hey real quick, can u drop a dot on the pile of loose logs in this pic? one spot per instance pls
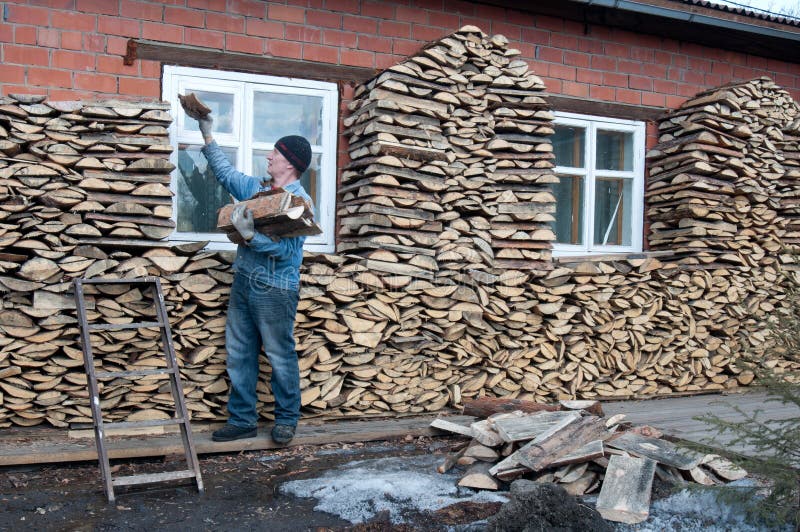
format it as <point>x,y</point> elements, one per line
<point>444,288</point>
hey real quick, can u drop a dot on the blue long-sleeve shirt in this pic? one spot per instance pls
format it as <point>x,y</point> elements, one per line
<point>262,259</point>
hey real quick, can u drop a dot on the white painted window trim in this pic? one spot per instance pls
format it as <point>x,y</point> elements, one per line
<point>177,79</point>
<point>591,124</point>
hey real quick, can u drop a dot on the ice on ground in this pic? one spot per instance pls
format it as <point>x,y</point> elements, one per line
<point>696,510</point>
<point>358,490</point>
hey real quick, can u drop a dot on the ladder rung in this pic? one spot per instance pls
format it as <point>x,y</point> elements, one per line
<point>152,477</point>
<point>148,279</point>
<point>133,373</point>
<point>109,326</point>
<point>143,423</point>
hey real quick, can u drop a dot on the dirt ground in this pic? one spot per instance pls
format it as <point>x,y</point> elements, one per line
<point>241,493</point>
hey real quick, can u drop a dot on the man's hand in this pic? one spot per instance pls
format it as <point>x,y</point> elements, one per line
<point>242,220</point>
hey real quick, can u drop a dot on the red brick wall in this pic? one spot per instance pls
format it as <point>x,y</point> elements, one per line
<point>71,48</point>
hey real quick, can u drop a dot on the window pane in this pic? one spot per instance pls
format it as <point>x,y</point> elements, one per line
<point>612,211</point>
<point>569,209</point>
<point>277,115</point>
<point>199,195</point>
<point>614,150</point>
<point>568,146</point>
<point>221,111</point>
<point>309,179</point>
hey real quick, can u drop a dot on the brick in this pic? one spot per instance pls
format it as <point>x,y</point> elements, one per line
<point>575,89</point>
<point>96,82</point>
<point>359,24</point>
<point>629,96</point>
<point>428,33</point>
<point>640,83</point>
<point>383,61</point>
<point>675,74</point>
<point>629,67</point>
<point>6,33</point>
<point>604,63</point>
<point>12,73</point>
<point>93,42</point>
<point>686,89</point>
<point>639,53</point>
<point>411,14</point>
<point>72,40</point>
<point>162,32</point>
<point>149,69</point>
<point>740,72</point>
<point>552,85</point>
<point>598,92</point>
<point>394,29</point>
<point>700,64</point>
<point>285,49</point>
<point>592,77</point>
<point>662,58</point>
<point>113,64</point>
<point>469,21</point>
<point>381,10</point>
<point>715,80</point>
<point>207,38</point>
<point>665,87</point>
<point>75,22</point>
<point>534,36</point>
<point>101,7</point>
<point>621,51</point>
<point>119,26</point>
<point>224,22</point>
<point>140,87</point>
<point>260,28</point>
<point>654,71</point>
<point>286,13</point>
<point>184,17</point>
<point>577,59</point>
<point>673,102</point>
<point>346,6</point>
<point>357,58</point>
<point>527,51</point>
<point>321,54</point>
<point>323,19</point>
<point>545,53</point>
<point>406,47</point>
<point>25,55</point>
<point>512,31</point>
<point>444,20</point>
<point>21,89</point>
<point>48,38</point>
<point>694,77</point>
<point>245,44</point>
<point>26,15</point>
<point>141,10</point>
<point>72,60</point>
<point>342,39</point>
<point>680,61</point>
<point>208,5</point>
<point>559,40</point>
<point>550,23</point>
<point>374,44</point>
<point>249,8</point>
<point>25,35</point>
<point>116,45</point>
<point>561,72</point>
<point>49,77</point>
<point>303,33</point>
<point>615,80</point>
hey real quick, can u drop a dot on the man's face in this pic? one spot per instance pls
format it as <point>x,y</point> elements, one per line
<point>277,163</point>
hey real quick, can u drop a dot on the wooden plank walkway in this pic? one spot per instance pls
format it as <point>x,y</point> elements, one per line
<point>674,416</point>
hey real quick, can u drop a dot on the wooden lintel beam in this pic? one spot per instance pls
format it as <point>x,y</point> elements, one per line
<point>197,56</point>
<point>586,106</point>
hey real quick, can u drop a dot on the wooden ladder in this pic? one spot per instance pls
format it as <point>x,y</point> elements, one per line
<point>180,417</point>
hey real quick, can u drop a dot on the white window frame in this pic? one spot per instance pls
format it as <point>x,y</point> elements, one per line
<point>177,80</point>
<point>591,124</point>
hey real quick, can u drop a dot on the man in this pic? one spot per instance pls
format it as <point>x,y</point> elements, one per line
<point>263,300</point>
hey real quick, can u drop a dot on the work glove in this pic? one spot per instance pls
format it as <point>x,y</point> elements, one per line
<point>242,220</point>
<point>205,125</point>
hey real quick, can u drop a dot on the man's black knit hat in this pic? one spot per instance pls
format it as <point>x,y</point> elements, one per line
<point>297,151</point>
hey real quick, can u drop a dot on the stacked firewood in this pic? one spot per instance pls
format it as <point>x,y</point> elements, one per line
<point>571,443</point>
<point>451,155</point>
<point>713,176</point>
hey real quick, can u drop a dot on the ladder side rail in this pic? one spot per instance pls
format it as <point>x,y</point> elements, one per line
<point>94,395</point>
<point>175,383</point>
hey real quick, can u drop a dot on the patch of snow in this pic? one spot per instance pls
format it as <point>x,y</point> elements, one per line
<point>695,511</point>
<point>358,490</point>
